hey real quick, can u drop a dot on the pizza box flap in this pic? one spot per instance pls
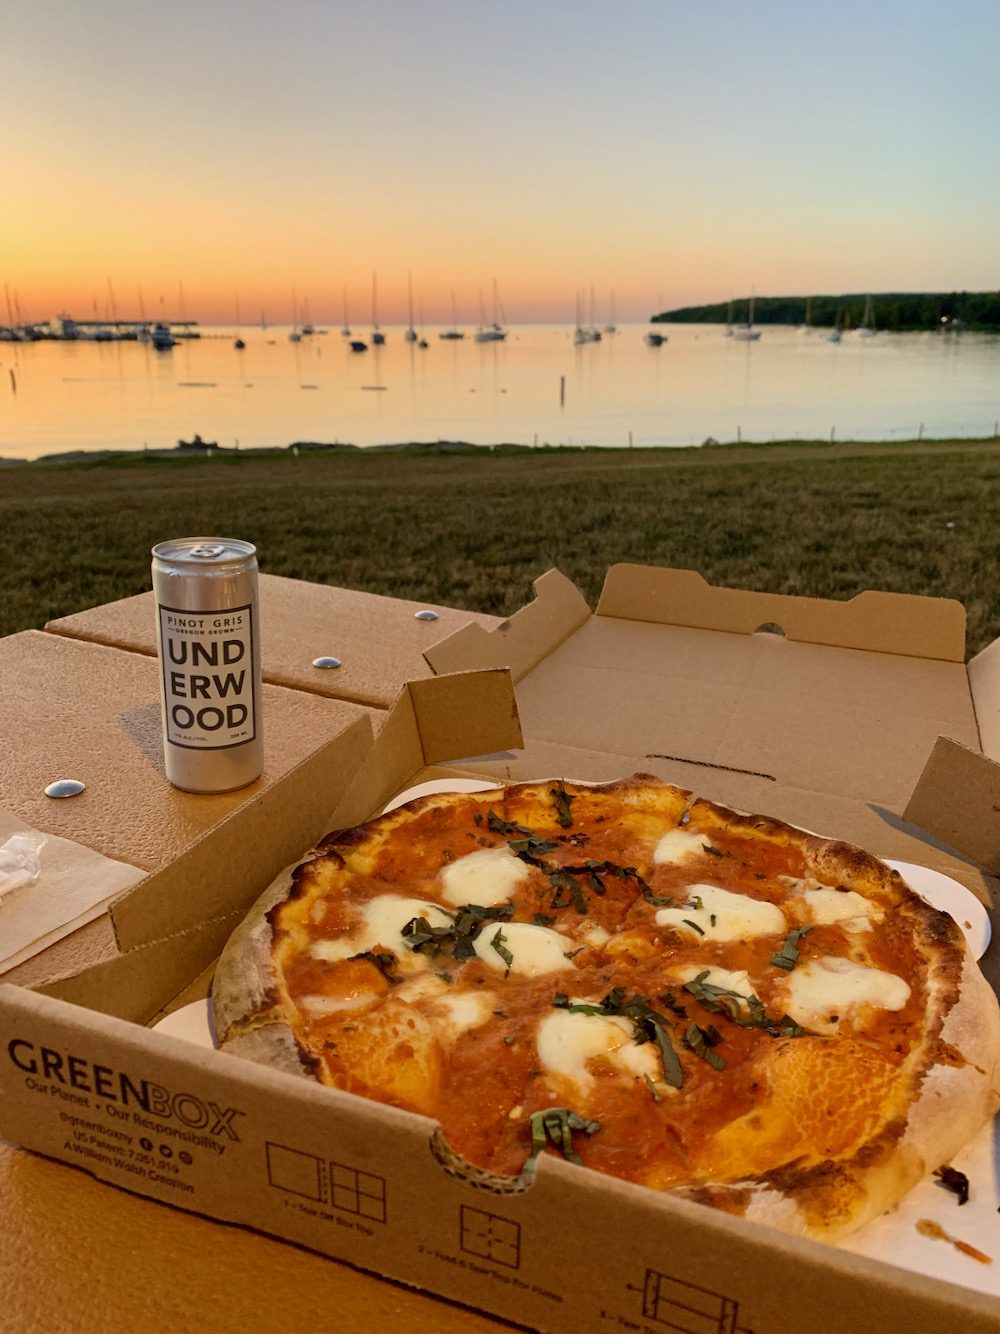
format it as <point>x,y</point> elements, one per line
<point>877,622</point>
<point>521,642</point>
<point>364,1182</point>
<point>149,979</point>
<point>448,717</point>
<point>845,700</point>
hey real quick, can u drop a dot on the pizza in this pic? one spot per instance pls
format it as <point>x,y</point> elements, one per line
<point>697,1000</point>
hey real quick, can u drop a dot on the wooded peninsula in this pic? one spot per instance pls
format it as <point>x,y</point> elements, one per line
<point>896,312</point>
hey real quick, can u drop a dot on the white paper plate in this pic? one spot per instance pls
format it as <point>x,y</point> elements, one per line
<point>436,785</point>
<point>191,1022</point>
<point>894,1238</point>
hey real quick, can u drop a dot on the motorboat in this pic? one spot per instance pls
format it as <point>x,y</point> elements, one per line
<point>161,338</point>
<point>655,339</point>
<point>356,345</point>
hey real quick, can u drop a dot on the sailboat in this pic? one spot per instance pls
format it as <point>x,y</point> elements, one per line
<point>238,342</point>
<point>345,328</point>
<point>728,331</point>
<point>806,325</point>
<point>835,335</point>
<point>866,329</point>
<point>378,338</point>
<point>294,336</point>
<point>411,333</point>
<point>746,333</point>
<point>454,332</point>
<point>495,332</point>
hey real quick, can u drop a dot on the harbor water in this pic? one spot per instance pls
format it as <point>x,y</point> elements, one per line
<point>536,387</point>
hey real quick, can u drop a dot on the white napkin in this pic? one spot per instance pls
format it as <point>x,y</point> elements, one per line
<point>74,887</point>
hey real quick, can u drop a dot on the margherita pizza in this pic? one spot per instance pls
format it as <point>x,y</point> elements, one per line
<point>697,1000</point>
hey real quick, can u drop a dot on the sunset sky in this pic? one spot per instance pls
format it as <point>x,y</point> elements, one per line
<point>660,149</point>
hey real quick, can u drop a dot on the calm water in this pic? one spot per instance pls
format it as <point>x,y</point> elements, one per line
<point>56,397</point>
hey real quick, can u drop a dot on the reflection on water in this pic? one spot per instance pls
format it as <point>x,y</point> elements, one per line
<point>56,397</point>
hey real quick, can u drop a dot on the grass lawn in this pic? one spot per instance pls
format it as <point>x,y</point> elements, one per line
<point>473,529</point>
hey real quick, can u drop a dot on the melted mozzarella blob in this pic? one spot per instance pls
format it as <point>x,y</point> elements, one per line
<point>567,1041</point>
<point>724,915</point>
<point>535,949</point>
<point>829,986</point>
<point>455,1015</point>
<point>383,922</point>
<point>677,845</point>
<point>825,906</point>
<point>486,877</point>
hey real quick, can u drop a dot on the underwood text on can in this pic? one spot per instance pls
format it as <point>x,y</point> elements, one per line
<point>208,677</point>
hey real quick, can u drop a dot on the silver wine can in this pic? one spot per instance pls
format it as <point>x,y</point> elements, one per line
<point>208,640</point>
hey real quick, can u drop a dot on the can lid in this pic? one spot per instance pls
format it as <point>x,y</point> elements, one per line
<point>197,552</point>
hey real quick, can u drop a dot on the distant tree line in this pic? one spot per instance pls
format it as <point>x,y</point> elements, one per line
<point>896,312</point>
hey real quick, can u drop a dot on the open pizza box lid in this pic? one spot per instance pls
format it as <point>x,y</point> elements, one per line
<point>358,1180</point>
<point>858,719</point>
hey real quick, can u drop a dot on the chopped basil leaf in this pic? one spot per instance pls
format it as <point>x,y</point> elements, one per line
<point>510,1039</point>
<point>457,938</point>
<point>499,826</point>
<point>531,846</point>
<point>556,1126</point>
<point>701,1041</point>
<point>713,851</point>
<point>720,1000</point>
<point>563,802</point>
<point>385,961</point>
<point>498,944</point>
<point>695,902</point>
<point>788,956</point>
<point>541,919</point>
<point>693,925</point>
<point>670,1001</point>
<point>711,919</point>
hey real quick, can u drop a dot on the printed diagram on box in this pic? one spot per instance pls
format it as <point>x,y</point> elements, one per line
<point>490,1237</point>
<point>337,1185</point>
<point>689,1309</point>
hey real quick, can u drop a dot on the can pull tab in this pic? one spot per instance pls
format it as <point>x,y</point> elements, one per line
<point>207,551</point>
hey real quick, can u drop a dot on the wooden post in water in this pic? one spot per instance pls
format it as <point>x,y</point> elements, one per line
<point>562,391</point>
<point>13,383</point>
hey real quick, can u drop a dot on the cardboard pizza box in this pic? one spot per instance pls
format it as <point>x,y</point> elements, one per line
<point>379,641</point>
<point>83,1081</point>
<point>73,709</point>
<point>858,720</point>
